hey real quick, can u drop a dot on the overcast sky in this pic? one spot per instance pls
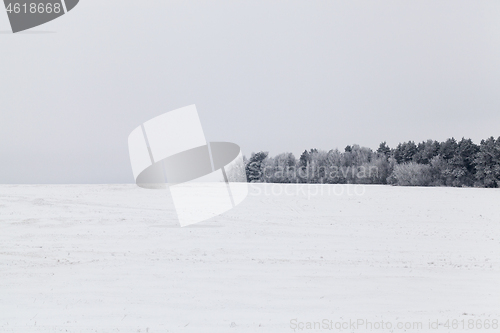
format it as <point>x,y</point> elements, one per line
<point>268,75</point>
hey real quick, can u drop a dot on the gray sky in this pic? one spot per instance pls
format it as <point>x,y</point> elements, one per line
<point>267,75</point>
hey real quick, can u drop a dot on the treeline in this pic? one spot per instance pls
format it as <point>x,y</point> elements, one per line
<point>429,163</point>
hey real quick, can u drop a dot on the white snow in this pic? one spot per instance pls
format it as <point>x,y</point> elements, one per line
<point>112,258</point>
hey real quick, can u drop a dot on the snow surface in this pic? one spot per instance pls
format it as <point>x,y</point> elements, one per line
<point>112,258</point>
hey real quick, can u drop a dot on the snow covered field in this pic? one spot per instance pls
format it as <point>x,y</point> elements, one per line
<point>111,258</point>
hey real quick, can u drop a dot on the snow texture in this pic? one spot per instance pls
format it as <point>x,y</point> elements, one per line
<point>112,258</point>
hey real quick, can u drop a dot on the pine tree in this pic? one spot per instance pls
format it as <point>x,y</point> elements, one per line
<point>254,167</point>
<point>426,151</point>
<point>304,159</point>
<point>463,163</point>
<point>383,148</point>
<point>448,149</point>
<point>487,163</point>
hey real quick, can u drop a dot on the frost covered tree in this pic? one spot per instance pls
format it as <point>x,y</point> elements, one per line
<point>383,148</point>
<point>487,163</point>
<point>254,167</point>
<point>426,151</point>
